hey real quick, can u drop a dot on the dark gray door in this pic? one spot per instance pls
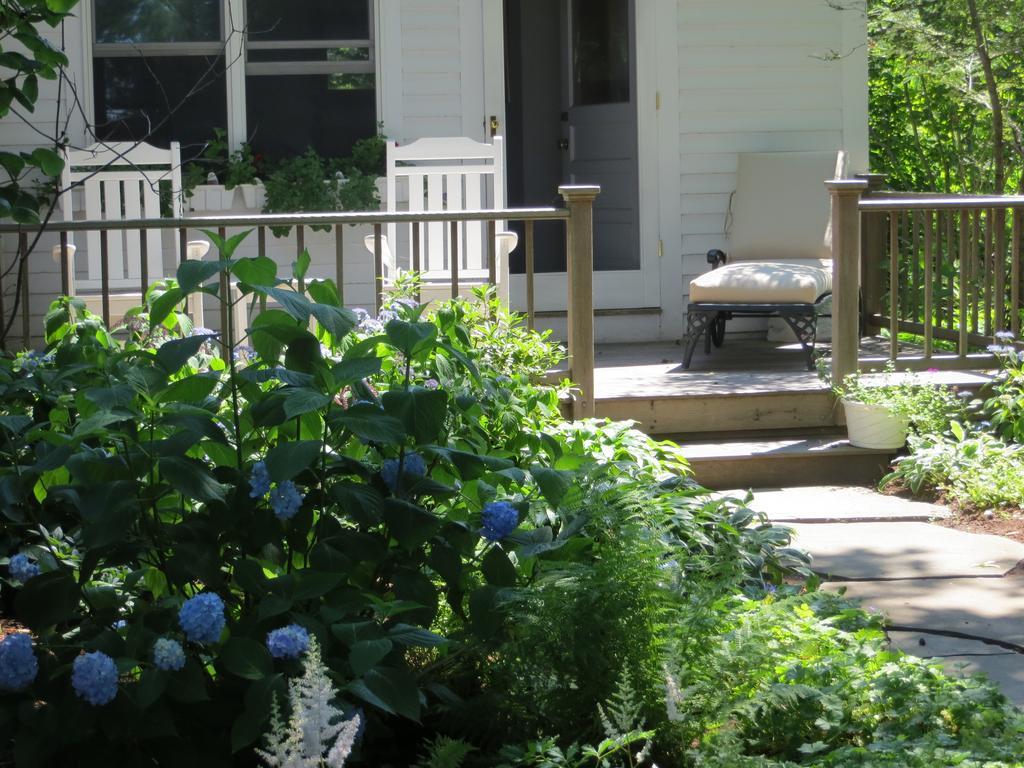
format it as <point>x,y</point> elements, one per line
<point>599,124</point>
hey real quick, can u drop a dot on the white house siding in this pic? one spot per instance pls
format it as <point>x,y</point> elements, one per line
<point>431,66</point>
<point>757,76</point>
<point>36,129</point>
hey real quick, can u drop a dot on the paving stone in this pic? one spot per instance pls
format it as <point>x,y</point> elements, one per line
<point>985,607</point>
<point>835,503</point>
<point>963,657</point>
<point>900,550</point>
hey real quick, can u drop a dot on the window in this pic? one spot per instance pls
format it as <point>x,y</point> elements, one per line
<point>159,72</point>
<point>600,52</point>
<point>309,76</point>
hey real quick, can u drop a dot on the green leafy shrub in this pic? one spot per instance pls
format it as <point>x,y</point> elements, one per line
<point>1005,407</point>
<point>506,345</point>
<point>971,467</point>
<point>807,680</point>
<point>314,482</point>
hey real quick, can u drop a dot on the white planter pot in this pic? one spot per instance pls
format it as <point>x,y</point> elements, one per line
<point>254,196</point>
<point>870,425</point>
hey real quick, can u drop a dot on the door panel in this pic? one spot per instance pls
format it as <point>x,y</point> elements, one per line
<point>601,110</point>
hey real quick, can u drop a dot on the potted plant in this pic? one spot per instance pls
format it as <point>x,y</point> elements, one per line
<point>315,184</point>
<point>201,177</point>
<point>882,410</point>
<point>241,172</point>
<point>237,170</point>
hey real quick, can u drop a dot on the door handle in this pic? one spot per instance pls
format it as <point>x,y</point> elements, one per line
<point>563,144</point>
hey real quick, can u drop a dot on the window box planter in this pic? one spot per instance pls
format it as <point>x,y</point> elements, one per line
<point>212,197</point>
<point>254,196</point>
<point>873,425</point>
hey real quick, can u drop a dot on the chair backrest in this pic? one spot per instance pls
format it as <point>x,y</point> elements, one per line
<point>449,174</point>
<point>781,209</point>
<point>117,181</point>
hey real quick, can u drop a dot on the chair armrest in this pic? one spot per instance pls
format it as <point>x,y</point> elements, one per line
<point>390,267</point>
<point>507,241</point>
<point>716,258</point>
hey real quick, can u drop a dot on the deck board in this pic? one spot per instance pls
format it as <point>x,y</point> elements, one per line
<point>740,367</point>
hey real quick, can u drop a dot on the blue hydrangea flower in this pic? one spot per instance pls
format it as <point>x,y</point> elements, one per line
<point>259,480</point>
<point>18,665</point>
<point>1001,349</point>
<point>413,466</point>
<point>202,618</point>
<point>1004,335</point>
<point>168,655</point>
<point>285,500</point>
<point>499,520</point>
<point>94,678</point>
<point>21,568</point>
<point>33,359</point>
<point>431,384</point>
<point>288,642</point>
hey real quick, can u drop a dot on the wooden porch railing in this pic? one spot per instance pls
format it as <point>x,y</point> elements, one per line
<point>942,271</point>
<point>577,215</point>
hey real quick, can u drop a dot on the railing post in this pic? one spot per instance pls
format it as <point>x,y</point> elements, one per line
<point>579,237</point>
<point>846,194</point>
<point>872,246</point>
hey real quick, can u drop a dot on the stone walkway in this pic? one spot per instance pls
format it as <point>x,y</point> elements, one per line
<point>947,594</point>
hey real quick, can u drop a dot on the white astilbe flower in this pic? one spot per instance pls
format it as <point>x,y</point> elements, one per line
<point>315,724</point>
<point>344,743</point>
<point>284,745</point>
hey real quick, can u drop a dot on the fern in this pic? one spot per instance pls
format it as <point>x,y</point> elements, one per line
<point>445,752</point>
<point>623,712</point>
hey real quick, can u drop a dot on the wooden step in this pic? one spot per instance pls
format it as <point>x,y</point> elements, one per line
<point>792,461</point>
<point>725,411</point>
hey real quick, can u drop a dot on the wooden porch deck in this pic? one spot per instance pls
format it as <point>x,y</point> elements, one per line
<point>748,385</point>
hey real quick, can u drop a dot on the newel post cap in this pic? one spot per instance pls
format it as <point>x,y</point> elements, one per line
<point>846,186</point>
<point>579,192</point>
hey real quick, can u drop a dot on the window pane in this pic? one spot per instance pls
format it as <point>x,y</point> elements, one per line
<point>600,51</point>
<point>308,20</point>
<point>167,98</point>
<point>157,21</point>
<point>289,113</point>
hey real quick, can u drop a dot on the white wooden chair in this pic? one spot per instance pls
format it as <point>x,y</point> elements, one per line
<point>446,174</point>
<point>116,181</point>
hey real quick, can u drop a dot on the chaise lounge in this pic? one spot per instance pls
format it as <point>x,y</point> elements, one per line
<point>778,235</point>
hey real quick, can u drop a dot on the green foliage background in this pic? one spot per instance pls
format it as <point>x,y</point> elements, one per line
<point>937,123</point>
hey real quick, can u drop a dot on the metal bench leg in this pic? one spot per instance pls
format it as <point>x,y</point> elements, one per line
<point>696,325</point>
<point>806,329</point>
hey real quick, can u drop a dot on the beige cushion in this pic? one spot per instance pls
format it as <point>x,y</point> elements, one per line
<point>796,281</point>
<point>781,208</point>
